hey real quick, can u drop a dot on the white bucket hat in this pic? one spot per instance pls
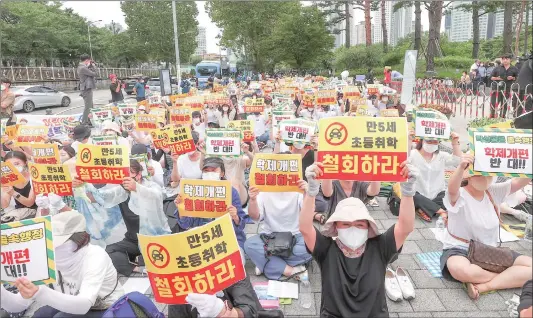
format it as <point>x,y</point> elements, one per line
<point>65,224</point>
<point>350,210</point>
<point>110,125</point>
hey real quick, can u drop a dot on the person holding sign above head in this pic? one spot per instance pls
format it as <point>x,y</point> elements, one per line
<point>353,264</point>
<point>474,220</point>
<point>187,166</point>
<point>198,123</point>
<point>25,207</point>
<point>87,282</point>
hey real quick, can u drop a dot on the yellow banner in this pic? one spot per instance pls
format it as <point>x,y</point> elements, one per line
<point>173,98</point>
<point>45,153</point>
<point>51,179</point>
<point>161,114</point>
<point>102,164</point>
<point>204,198</point>
<point>10,175</point>
<point>159,137</point>
<point>246,126</point>
<point>181,115</point>
<point>11,131</point>
<point>194,102</point>
<point>145,122</point>
<point>179,140</point>
<point>276,172</point>
<point>326,97</point>
<point>389,113</point>
<point>28,135</point>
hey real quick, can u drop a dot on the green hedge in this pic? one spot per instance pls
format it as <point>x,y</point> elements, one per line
<point>458,62</point>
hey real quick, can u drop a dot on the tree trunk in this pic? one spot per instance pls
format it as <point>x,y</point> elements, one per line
<point>384,27</point>
<point>418,26</point>
<point>519,27</point>
<point>526,35</point>
<point>348,26</point>
<point>368,24</point>
<point>507,27</point>
<point>435,18</point>
<point>475,29</point>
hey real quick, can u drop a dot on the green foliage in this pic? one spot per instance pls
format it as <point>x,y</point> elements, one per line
<point>358,57</point>
<point>456,62</point>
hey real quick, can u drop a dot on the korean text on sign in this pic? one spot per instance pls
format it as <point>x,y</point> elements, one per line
<point>27,135</point>
<point>106,140</point>
<point>99,115</point>
<point>432,125</point>
<point>102,164</point>
<point>50,179</point>
<point>127,110</point>
<point>297,130</point>
<point>502,152</point>
<point>363,148</point>
<point>27,251</point>
<point>159,137</point>
<point>179,140</point>
<point>246,126</point>
<point>276,173</point>
<point>145,122</point>
<point>223,142</point>
<point>10,175</point>
<point>326,97</point>
<point>45,153</point>
<point>252,105</point>
<point>204,198</point>
<point>203,260</point>
<point>180,115</point>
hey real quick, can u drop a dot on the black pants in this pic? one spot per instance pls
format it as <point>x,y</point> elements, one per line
<point>139,99</point>
<point>430,207</point>
<point>122,254</point>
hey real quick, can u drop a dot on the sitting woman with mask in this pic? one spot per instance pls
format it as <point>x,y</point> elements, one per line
<point>473,215</point>
<point>87,283</point>
<point>431,185</point>
<point>25,207</point>
<point>352,266</point>
<point>110,128</point>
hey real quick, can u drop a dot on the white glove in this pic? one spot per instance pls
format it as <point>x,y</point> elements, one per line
<point>207,305</point>
<point>56,203</point>
<point>42,201</point>
<point>313,183</point>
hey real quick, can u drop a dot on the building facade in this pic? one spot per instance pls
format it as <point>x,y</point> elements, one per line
<point>201,42</point>
<point>399,24</point>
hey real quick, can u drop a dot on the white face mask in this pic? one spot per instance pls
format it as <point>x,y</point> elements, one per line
<point>298,145</point>
<point>353,237</point>
<point>196,120</point>
<point>65,257</point>
<point>430,148</point>
<point>20,168</point>
<point>210,176</point>
<point>2,87</point>
<point>225,109</point>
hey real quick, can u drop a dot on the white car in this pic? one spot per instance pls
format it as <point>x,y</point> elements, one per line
<point>30,97</point>
<point>154,85</point>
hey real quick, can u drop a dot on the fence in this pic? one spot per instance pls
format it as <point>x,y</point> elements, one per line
<point>475,101</point>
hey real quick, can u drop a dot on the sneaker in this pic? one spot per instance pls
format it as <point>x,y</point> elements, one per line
<point>392,288</point>
<point>258,272</point>
<point>408,291</point>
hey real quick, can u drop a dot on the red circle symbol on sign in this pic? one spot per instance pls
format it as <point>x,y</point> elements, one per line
<point>158,255</point>
<point>336,134</point>
<point>86,155</point>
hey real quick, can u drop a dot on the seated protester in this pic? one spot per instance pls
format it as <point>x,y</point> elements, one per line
<point>473,215</point>
<point>352,266</point>
<point>155,171</point>
<point>187,166</point>
<point>112,129</point>
<point>308,113</point>
<point>238,300</point>
<point>226,115</point>
<point>81,135</point>
<point>87,283</point>
<point>212,113</point>
<point>25,207</point>
<point>198,123</point>
<point>261,132</point>
<point>325,112</point>
<point>431,185</point>
<point>526,300</point>
<point>279,212</point>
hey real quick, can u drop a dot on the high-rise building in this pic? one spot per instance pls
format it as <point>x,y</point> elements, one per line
<point>360,33</point>
<point>399,23</point>
<point>340,28</point>
<point>201,42</point>
<point>377,36</point>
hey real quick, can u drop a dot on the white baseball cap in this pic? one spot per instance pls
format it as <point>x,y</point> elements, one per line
<point>64,224</point>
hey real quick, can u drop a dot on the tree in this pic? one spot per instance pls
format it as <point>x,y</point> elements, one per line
<point>507,26</point>
<point>384,27</point>
<point>479,9</point>
<point>435,10</point>
<point>336,13</point>
<point>150,23</point>
<point>418,20</point>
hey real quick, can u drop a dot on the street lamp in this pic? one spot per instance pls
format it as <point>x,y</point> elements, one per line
<point>89,32</point>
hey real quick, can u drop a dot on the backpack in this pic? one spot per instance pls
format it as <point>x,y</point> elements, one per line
<point>131,305</point>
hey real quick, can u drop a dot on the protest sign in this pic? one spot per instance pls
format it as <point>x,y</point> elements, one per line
<point>223,142</point>
<point>145,122</point>
<point>11,131</point>
<point>50,179</point>
<point>203,260</point>
<point>28,251</point>
<point>102,164</point>
<point>204,198</point>
<point>308,100</point>
<point>10,175</point>
<point>365,111</point>
<point>254,105</point>
<point>161,114</point>
<point>154,99</point>
<point>45,153</point>
<point>501,152</point>
<point>372,149</point>
<point>431,125</point>
<point>181,115</point>
<point>129,124</point>
<point>289,91</point>
<point>297,130</point>
<point>326,97</point>
<point>389,113</point>
<point>104,140</point>
<point>68,126</point>
<point>372,89</point>
<point>55,123</point>
<point>179,140</point>
<point>350,92</point>
<point>278,116</point>
<point>159,137</point>
<point>3,125</point>
<point>127,110</point>
<point>276,172</point>
<point>99,115</point>
<point>246,126</point>
<point>28,135</point>
<point>173,98</point>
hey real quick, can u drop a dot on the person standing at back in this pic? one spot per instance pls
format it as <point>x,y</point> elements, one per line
<point>87,75</point>
<point>138,90</point>
<point>7,100</point>
<point>116,89</point>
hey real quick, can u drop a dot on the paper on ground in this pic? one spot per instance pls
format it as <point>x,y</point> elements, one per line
<point>138,284</point>
<point>440,235</point>
<point>282,289</point>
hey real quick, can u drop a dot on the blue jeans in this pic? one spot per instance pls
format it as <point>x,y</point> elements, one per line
<point>254,248</point>
<point>49,312</point>
<point>264,137</point>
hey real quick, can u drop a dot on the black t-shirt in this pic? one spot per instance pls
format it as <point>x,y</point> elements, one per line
<point>25,192</point>
<point>525,76</point>
<point>503,73</point>
<point>131,220</point>
<point>526,299</point>
<point>115,96</point>
<point>354,287</point>
<point>307,160</point>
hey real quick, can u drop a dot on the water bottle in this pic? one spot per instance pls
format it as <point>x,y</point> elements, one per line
<point>528,232</point>
<point>440,223</point>
<point>305,292</point>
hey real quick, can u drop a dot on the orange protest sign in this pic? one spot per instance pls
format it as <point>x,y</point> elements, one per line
<point>308,100</point>
<point>254,105</point>
<point>173,98</point>
<point>204,198</point>
<point>350,91</point>
<point>203,260</point>
<point>326,97</point>
<point>142,103</point>
<point>276,172</point>
<point>45,153</point>
<point>50,179</point>
<point>28,135</point>
<point>11,131</point>
<point>194,102</point>
<point>145,122</point>
<point>246,126</point>
<point>372,89</point>
<point>102,164</point>
<point>180,115</point>
<point>159,137</point>
<point>10,175</point>
<point>389,113</point>
<point>179,140</point>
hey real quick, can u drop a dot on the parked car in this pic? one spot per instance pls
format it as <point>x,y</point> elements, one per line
<point>28,98</point>
<point>154,85</point>
<point>130,83</point>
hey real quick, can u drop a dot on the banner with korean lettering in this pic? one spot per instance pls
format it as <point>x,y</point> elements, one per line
<point>55,123</point>
<point>350,92</point>
<point>11,131</point>
<point>179,140</point>
<point>430,124</point>
<point>45,153</point>
<point>276,172</point>
<point>28,135</point>
<point>373,89</point>
<point>102,164</point>
<point>308,100</point>
<point>104,140</point>
<point>204,198</point>
<point>28,251</point>
<point>298,130</point>
<point>392,112</point>
<point>363,148</point>
<point>50,179</point>
<point>145,122</point>
<point>10,175</point>
<point>180,115</point>
<point>194,102</point>
<point>99,115</point>
<point>126,110</point>
<point>160,113</point>
<point>159,137</point>
<point>203,260</point>
<point>501,152</point>
<point>326,97</point>
<point>3,125</point>
<point>254,105</point>
<point>223,142</point>
<point>246,126</point>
